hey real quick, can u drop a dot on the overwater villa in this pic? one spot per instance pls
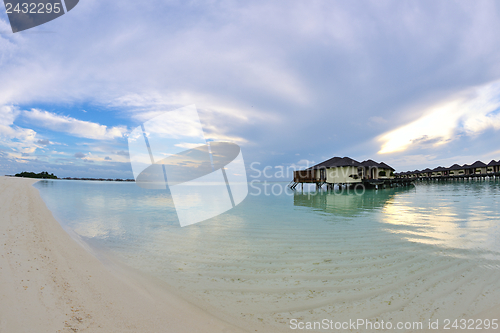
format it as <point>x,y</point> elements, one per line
<point>439,171</point>
<point>456,170</point>
<point>344,171</point>
<point>477,169</point>
<point>426,173</point>
<point>493,167</point>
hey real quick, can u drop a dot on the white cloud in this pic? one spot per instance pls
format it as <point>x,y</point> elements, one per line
<point>187,145</point>
<point>220,120</point>
<point>74,127</point>
<point>470,112</point>
<point>15,137</point>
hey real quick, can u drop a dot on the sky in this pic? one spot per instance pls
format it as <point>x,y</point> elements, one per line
<point>415,84</point>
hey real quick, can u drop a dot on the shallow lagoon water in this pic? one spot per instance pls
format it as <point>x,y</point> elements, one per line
<point>406,254</point>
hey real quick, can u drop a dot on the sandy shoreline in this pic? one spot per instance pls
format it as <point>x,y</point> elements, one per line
<point>49,283</point>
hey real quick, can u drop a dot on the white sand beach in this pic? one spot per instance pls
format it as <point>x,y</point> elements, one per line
<point>50,283</point>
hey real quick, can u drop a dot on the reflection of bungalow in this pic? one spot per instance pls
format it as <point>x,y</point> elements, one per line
<point>345,204</point>
<point>478,168</point>
<point>343,170</point>
<point>456,170</point>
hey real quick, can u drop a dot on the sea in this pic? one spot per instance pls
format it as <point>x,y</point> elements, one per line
<point>419,253</point>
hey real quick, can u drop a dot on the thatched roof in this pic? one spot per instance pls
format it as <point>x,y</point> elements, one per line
<point>336,162</point>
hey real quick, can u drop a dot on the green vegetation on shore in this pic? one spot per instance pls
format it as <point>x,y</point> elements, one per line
<point>43,175</point>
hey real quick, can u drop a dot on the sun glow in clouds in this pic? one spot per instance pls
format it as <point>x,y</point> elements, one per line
<point>470,113</point>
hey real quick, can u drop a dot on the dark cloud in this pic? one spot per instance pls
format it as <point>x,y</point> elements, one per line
<point>44,142</point>
<point>107,158</point>
<point>122,153</point>
<point>79,155</point>
<point>87,160</point>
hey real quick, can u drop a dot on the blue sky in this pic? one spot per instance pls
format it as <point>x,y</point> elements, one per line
<point>414,84</point>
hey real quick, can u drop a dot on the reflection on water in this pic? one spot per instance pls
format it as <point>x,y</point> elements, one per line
<point>460,216</point>
<point>106,211</point>
<point>392,254</point>
<point>452,216</point>
<point>347,204</point>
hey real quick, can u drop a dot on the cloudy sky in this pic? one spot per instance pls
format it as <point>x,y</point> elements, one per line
<point>414,84</point>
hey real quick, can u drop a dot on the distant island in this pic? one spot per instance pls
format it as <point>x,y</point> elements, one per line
<point>43,175</point>
<point>46,175</point>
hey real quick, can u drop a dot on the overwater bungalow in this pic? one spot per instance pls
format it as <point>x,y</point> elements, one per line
<point>478,168</point>
<point>335,170</point>
<point>371,169</point>
<point>456,170</point>
<point>425,173</point>
<point>468,170</point>
<point>385,171</point>
<point>493,167</point>
<point>343,170</point>
<point>439,172</point>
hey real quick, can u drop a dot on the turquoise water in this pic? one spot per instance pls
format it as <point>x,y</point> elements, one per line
<point>430,251</point>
